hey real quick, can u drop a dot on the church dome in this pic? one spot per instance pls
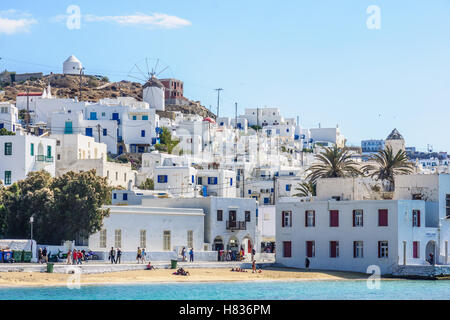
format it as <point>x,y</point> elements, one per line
<point>395,135</point>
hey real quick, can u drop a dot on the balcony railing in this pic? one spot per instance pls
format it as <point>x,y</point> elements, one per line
<point>42,158</point>
<point>236,225</point>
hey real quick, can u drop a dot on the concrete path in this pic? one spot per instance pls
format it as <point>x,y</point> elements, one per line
<point>101,267</point>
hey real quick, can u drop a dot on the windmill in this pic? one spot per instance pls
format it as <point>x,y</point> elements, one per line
<point>147,72</point>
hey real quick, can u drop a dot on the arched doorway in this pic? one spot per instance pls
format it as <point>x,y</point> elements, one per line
<point>247,244</point>
<point>430,249</point>
<point>233,244</point>
<point>218,243</point>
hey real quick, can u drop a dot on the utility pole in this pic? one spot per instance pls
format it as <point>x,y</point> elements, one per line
<point>235,115</point>
<point>218,100</point>
<point>98,129</point>
<point>28,110</point>
<point>81,79</point>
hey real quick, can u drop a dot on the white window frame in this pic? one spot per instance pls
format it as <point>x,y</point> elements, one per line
<point>166,240</point>
<point>102,238</point>
<point>384,249</point>
<point>118,238</point>
<point>359,216</point>
<point>143,238</point>
<point>190,239</point>
<point>310,218</point>
<point>359,252</point>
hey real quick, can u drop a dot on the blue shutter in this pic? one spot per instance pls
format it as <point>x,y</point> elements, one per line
<point>142,133</point>
<point>231,181</point>
<point>125,196</point>
<point>105,132</point>
<point>89,132</point>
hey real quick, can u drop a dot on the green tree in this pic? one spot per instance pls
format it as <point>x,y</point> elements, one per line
<point>387,165</point>
<point>148,184</point>
<point>306,189</point>
<point>333,163</point>
<point>4,132</point>
<point>64,208</point>
<point>166,139</point>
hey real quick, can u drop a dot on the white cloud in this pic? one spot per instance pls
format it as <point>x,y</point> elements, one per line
<point>12,21</point>
<point>156,20</point>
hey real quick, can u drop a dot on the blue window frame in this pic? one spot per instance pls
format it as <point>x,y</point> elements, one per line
<point>193,178</point>
<point>162,179</point>
<point>7,177</point>
<point>266,200</point>
<point>249,191</point>
<point>144,117</point>
<point>288,187</point>
<point>68,127</point>
<point>115,116</point>
<point>199,180</point>
<point>2,125</point>
<point>89,132</point>
<point>134,117</point>
<point>105,132</point>
<point>125,196</point>
<point>231,181</point>
<point>142,133</point>
<point>212,180</point>
<point>114,195</point>
<point>93,116</point>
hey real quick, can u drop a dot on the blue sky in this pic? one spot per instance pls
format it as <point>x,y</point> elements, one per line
<point>315,59</point>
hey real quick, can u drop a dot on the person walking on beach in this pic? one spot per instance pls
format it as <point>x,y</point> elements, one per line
<point>139,254</point>
<point>74,256</point>
<point>183,254</point>
<point>143,253</point>
<point>119,254</point>
<point>254,266</point>
<point>69,257</point>
<point>191,255</point>
<point>112,254</point>
<point>40,255</point>
<point>44,254</point>
<point>253,253</point>
<point>79,256</point>
<point>307,263</point>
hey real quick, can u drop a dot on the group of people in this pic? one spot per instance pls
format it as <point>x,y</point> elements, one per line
<point>140,256</point>
<point>181,272</point>
<point>191,254</point>
<point>76,256</point>
<point>42,255</point>
<point>238,270</point>
<point>115,256</point>
<point>234,255</point>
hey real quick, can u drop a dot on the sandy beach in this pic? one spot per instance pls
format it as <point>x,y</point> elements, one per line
<point>21,279</point>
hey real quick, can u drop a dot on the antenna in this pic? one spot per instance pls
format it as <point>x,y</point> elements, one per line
<point>218,99</point>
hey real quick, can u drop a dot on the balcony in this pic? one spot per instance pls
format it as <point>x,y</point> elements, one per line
<point>236,225</point>
<point>42,158</point>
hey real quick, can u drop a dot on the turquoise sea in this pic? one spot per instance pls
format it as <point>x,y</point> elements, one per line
<point>301,290</point>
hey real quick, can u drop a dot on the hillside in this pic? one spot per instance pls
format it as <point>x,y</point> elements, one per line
<point>94,88</point>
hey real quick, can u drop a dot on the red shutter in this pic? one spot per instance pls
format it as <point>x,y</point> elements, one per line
<point>309,249</point>
<point>415,250</point>
<point>282,219</point>
<point>306,218</point>
<point>418,218</point>
<point>354,218</point>
<point>333,249</point>
<point>382,218</point>
<point>314,218</point>
<point>287,249</point>
<point>334,218</point>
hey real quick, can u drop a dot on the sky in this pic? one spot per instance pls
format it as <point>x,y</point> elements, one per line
<point>315,59</point>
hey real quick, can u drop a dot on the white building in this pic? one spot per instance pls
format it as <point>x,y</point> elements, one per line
<point>153,94</point>
<point>177,180</point>
<point>76,152</point>
<point>161,231</point>
<point>332,135</point>
<point>9,117</point>
<point>230,223</point>
<point>344,232</point>
<point>21,154</point>
<point>72,65</point>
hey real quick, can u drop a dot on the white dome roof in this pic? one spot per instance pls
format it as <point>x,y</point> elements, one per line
<point>72,58</point>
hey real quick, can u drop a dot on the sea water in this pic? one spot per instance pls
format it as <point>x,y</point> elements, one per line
<point>298,290</point>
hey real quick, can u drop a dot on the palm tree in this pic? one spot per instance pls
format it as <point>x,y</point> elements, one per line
<point>387,165</point>
<point>307,189</point>
<point>333,163</point>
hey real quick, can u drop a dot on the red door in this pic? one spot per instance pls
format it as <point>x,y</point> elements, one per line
<point>287,249</point>
<point>310,249</point>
